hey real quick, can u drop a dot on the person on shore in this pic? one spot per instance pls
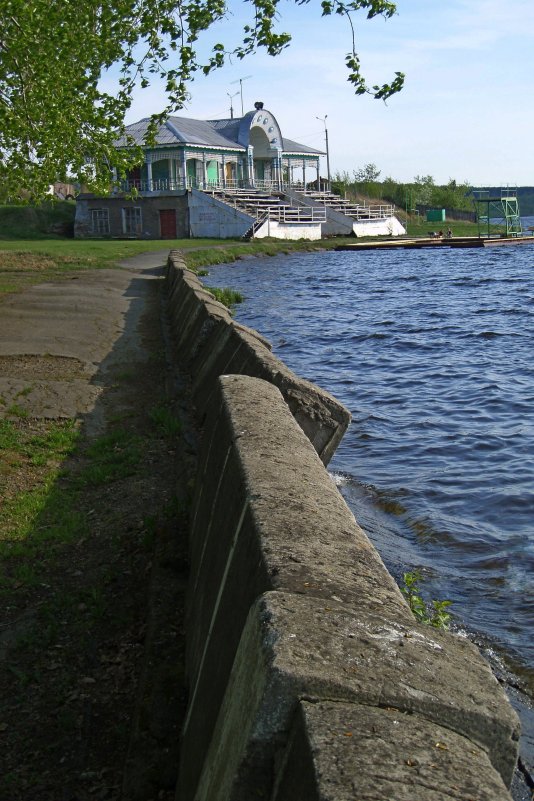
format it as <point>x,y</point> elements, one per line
<point>449,233</point>
<point>440,234</point>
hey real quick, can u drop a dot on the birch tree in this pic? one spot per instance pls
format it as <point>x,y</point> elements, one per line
<point>55,117</point>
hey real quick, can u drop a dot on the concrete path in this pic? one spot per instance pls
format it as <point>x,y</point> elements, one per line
<point>57,339</point>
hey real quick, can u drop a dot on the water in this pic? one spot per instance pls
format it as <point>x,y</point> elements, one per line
<point>432,351</point>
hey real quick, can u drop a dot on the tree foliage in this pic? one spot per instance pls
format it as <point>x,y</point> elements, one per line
<point>422,191</point>
<point>56,117</point>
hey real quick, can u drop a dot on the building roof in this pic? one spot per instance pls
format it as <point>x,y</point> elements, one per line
<point>226,134</point>
<point>179,131</point>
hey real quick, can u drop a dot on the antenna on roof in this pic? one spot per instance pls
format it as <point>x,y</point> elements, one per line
<point>231,106</point>
<point>240,82</point>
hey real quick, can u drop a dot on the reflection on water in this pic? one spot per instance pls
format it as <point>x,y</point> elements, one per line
<point>432,353</point>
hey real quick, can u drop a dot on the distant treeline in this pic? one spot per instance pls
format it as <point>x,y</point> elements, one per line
<point>422,192</point>
<point>525,196</point>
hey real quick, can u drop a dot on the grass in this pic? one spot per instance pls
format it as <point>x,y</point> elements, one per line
<point>111,457</point>
<point>40,499</point>
<point>165,422</point>
<point>228,297</point>
<point>34,511</point>
<point>44,220</point>
<point>419,227</point>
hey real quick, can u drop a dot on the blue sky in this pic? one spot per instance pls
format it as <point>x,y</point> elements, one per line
<point>466,111</point>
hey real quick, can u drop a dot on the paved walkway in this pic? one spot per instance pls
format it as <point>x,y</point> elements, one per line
<point>58,339</point>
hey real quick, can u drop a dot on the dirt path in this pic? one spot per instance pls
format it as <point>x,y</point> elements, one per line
<point>93,570</point>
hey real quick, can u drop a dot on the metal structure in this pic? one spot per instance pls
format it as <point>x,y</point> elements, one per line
<point>496,212</point>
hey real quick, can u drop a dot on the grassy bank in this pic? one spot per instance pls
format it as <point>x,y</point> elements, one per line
<point>31,261</point>
<point>48,220</point>
<point>419,227</point>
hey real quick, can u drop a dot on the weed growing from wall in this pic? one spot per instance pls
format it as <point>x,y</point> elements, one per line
<point>434,614</point>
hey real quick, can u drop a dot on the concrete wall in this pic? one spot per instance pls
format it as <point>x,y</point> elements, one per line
<point>210,217</point>
<point>209,343</point>
<point>389,226</point>
<point>150,206</point>
<point>309,678</point>
<point>338,224</point>
<point>294,231</point>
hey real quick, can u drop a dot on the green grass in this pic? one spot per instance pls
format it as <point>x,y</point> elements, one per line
<point>228,297</point>
<point>420,227</point>
<point>165,421</point>
<point>45,220</point>
<point>111,457</point>
<point>39,512</point>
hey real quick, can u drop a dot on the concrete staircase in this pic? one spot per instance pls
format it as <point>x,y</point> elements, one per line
<point>264,206</point>
<point>357,211</point>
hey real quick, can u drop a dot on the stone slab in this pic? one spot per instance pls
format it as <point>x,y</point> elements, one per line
<point>298,648</point>
<point>343,752</point>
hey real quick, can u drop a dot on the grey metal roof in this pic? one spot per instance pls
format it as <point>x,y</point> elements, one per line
<point>201,133</point>
<point>289,146</point>
<point>179,131</point>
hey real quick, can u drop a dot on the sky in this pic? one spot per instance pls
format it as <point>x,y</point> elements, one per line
<point>466,111</point>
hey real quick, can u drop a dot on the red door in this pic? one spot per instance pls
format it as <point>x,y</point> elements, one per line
<point>167,223</point>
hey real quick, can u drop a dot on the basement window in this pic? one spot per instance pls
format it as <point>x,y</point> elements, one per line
<point>100,221</point>
<point>132,220</point>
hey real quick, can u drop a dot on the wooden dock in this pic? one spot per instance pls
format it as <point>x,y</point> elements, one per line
<point>405,243</point>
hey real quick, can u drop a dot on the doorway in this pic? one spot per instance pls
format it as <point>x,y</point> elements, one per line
<point>167,223</point>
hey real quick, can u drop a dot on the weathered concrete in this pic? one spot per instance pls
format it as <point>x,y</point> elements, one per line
<point>150,204</point>
<point>339,224</point>
<point>209,343</point>
<point>341,752</point>
<point>295,648</point>
<point>266,515</point>
<point>267,518</point>
<point>55,339</point>
<point>210,217</point>
<point>292,231</point>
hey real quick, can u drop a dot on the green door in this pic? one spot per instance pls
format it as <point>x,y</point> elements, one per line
<point>212,172</point>
<point>192,171</point>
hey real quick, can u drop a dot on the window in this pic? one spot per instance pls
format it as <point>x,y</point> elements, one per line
<point>131,220</point>
<point>100,221</point>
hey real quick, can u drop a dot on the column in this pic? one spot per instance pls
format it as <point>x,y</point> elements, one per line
<point>250,165</point>
<point>149,175</point>
<point>183,168</point>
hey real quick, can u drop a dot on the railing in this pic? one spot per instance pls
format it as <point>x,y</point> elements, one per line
<point>296,214</point>
<point>172,184</point>
<point>160,185</point>
<point>360,211</point>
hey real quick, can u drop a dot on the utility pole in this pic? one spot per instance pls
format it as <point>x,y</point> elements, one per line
<point>240,82</point>
<point>323,120</point>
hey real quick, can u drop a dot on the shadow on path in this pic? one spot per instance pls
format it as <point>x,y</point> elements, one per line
<point>94,572</point>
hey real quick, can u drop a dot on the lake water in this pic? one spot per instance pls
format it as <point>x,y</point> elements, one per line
<point>433,353</point>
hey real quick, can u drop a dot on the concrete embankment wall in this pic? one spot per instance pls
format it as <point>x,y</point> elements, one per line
<point>308,677</point>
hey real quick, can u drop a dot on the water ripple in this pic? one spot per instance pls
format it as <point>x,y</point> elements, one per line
<point>432,353</point>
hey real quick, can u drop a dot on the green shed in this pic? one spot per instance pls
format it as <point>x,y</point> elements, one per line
<point>435,215</point>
